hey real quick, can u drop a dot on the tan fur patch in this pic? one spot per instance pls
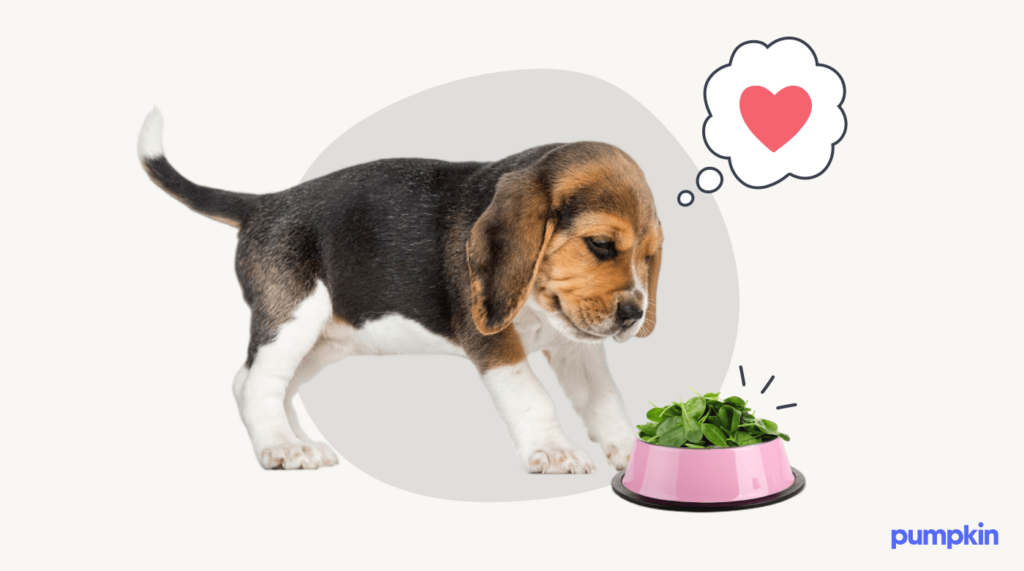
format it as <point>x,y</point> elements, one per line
<point>499,350</point>
<point>232,223</point>
<point>589,290</point>
<point>652,261</point>
<point>611,179</point>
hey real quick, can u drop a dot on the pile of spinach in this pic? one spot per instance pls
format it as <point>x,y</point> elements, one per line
<point>707,422</point>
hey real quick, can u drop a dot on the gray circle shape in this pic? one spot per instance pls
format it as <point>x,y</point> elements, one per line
<point>425,424</point>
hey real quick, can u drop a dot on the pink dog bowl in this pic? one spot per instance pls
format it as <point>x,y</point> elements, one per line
<point>709,479</point>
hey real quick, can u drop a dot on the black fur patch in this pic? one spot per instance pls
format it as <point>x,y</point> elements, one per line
<point>386,237</point>
<point>229,207</point>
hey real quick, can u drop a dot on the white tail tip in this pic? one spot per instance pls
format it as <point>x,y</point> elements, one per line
<point>151,143</point>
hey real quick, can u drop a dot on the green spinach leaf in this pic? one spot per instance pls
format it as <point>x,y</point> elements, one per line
<point>676,436</point>
<point>714,435</point>
<point>695,407</point>
<point>650,429</point>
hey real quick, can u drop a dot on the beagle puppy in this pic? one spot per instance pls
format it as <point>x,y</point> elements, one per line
<point>553,249</point>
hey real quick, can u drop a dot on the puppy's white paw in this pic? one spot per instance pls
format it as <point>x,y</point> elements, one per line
<point>557,459</point>
<point>619,449</point>
<point>326,452</point>
<point>297,455</point>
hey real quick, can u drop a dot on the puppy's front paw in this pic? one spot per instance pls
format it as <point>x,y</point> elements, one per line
<point>326,452</point>
<point>295,456</point>
<point>618,450</point>
<point>557,459</point>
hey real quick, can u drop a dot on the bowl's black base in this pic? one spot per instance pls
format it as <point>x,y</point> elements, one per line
<point>629,495</point>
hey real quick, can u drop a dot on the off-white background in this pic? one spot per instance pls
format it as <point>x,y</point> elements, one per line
<point>887,290</point>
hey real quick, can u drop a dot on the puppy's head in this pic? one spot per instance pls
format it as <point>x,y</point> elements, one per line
<point>578,231</point>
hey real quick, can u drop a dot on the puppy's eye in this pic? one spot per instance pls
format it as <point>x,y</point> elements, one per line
<point>601,247</point>
<point>647,260</point>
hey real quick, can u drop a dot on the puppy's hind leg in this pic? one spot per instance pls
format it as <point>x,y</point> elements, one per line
<point>311,365</point>
<point>275,356</point>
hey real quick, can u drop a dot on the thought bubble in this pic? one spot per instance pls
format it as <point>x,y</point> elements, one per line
<point>774,112</point>
<point>709,179</point>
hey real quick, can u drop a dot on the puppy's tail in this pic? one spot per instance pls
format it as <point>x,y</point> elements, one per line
<point>228,207</point>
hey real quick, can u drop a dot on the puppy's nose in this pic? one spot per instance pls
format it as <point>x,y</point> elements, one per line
<point>628,314</point>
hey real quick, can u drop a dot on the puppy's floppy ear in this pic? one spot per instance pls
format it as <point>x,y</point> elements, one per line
<point>505,248</point>
<point>652,294</point>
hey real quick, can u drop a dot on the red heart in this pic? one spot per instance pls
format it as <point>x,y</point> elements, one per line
<point>775,119</point>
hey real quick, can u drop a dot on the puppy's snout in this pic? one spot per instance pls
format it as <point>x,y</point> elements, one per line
<point>628,314</point>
